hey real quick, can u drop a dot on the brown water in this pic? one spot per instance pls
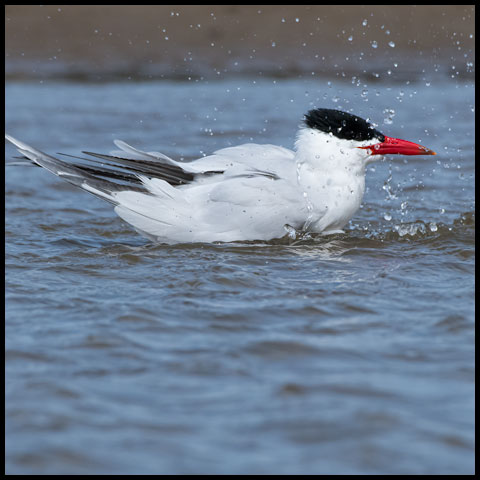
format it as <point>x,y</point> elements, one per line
<point>102,42</point>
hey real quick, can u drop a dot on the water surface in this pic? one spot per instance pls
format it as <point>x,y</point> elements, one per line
<point>351,353</point>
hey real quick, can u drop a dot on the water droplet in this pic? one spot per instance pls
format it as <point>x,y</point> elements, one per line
<point>291,232</point>
<point>389,114</point>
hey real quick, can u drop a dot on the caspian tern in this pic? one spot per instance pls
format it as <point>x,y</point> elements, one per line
<point>247,192</point>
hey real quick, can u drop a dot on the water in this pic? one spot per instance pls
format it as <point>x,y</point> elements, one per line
<point>348,354</point>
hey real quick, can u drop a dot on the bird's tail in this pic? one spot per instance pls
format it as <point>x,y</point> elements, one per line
<point>139,184</point>
<point>71,173</point>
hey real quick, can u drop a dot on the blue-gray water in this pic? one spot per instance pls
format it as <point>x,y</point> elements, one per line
<point>345,354</point>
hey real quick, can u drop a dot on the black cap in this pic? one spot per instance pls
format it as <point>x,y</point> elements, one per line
<point>341,124</point>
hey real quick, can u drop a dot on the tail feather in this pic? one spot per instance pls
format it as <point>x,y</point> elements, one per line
<point>142,189</point>
<point>140,155</point>
<point>170,173</point>
<point>104,174</point>
<point>68,172</point>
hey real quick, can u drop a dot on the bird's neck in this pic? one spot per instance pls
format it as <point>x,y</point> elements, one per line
<point>332,177</point>
<point>326,153</point>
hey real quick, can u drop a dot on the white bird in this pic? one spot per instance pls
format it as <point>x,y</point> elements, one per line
<point>247,192</point>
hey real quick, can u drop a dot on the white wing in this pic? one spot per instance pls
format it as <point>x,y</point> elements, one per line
<point>248,192</point>
<point>249,158</point>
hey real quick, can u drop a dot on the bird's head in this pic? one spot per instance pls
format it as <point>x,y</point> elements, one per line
<point>334,135</point>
